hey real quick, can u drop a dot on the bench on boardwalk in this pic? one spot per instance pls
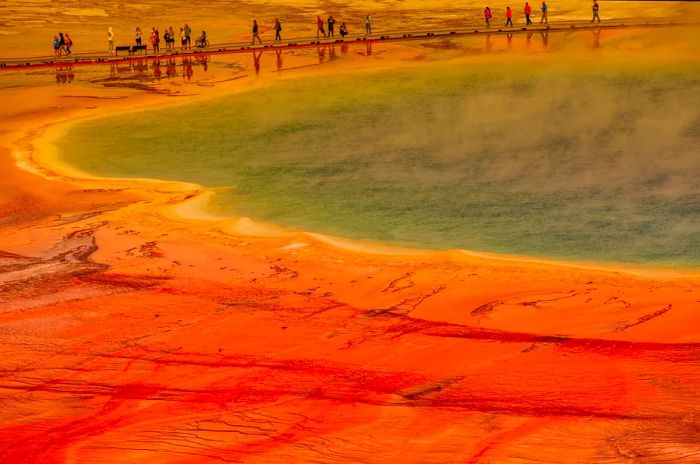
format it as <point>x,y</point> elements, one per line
<point>138,48</point>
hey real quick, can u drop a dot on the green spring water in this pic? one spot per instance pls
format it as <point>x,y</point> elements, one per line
<point>599,165</point>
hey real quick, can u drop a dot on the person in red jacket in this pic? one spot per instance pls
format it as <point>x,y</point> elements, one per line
<point>509,16</point>
<point>487,16</point>
<point>319,27</point>
<point>527,11</point>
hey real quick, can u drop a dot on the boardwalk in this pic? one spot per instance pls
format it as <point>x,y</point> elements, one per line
<point>97,57</point>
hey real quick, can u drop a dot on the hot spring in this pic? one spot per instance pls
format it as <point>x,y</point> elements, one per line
<point>598,163</point>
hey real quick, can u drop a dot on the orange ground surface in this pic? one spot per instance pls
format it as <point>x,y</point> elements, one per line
<point>131,334</point>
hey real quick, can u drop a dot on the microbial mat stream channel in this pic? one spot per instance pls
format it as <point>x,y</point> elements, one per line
<point>598,163</point>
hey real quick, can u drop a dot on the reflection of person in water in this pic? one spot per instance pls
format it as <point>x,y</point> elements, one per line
<point>64,74</point>
<point>280,63</point>
<point>545,39</point>
<point>140,66</point>
<point>321,54</point>
<point>596,38</point>
<point>171,69</point>
<point>156,69</point>
<point>187,66</point>
<point>509,37</point>
<point>204,59</point>
<point>256,61</point>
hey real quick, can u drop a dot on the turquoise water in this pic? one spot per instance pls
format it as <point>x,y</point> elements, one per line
<point>600,164</point>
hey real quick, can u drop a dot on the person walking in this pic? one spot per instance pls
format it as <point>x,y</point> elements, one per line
<point>110,41</point>
<point>56,46</point>
<point>368,25</point>
<point>61,43</point>
<point>188,38</point>
<point>278,30</point>
<point>487,16</point>
<point>509,16</point>
<point>544,9</point>
<point>255,32</point>
<point>320,31</point>
<point>331,26</point>
<point>595,12</point>
<point>69,44</point>
<point>528,11</point>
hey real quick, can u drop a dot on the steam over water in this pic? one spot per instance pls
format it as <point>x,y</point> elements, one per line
<point>601,164</point>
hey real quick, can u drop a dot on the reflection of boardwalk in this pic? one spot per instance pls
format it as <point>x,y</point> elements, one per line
<point>144,73</point>
<point>390,36</point>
